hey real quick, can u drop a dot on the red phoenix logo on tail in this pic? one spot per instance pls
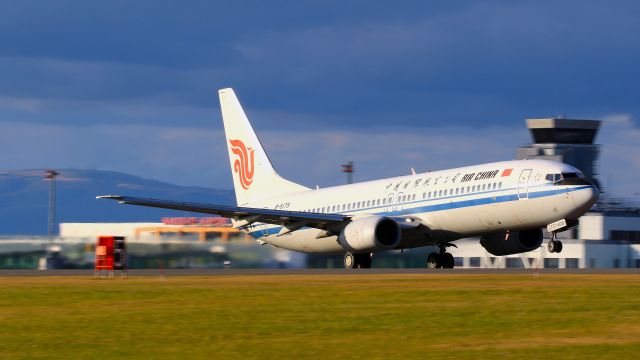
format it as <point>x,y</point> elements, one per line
<point>243,165</point>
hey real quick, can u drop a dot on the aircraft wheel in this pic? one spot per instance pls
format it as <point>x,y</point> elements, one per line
<point>447,260</point>
<point>349,261</point>
<point>362,261</point>
<point>434,261</point>
<point>554,246</point>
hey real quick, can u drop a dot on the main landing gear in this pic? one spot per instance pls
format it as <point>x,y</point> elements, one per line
<point>554,246</point>
<point>357,261</point>
<point>443,259</point>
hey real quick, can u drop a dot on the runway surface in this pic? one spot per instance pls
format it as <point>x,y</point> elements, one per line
<point>364,272</point>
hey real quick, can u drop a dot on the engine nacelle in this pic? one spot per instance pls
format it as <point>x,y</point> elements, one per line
<point>369,234</point>
<point>512,242</point>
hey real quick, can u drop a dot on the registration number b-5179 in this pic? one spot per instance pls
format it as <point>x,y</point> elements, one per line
<point>554,226</point>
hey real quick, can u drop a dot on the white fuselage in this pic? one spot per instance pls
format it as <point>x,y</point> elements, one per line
<point>455,203</point>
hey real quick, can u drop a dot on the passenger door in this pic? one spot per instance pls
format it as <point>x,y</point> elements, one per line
<point>399,201</point>
<point>391,204</point>
<point>523,184</point>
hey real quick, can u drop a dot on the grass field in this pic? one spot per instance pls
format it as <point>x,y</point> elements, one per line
<point>322,316</point>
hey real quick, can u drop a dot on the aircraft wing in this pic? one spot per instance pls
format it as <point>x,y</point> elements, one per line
<point>291,220</point>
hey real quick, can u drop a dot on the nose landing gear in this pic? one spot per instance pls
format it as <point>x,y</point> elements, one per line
<point>554,246</point>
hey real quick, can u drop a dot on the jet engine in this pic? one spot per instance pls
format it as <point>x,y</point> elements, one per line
<point>369,234</point>
<point>512,242</point>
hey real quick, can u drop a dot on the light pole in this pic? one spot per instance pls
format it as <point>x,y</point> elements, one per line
<point>348,169</point>
<point>51,176</point>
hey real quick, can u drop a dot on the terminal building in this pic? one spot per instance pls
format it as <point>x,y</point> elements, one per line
<point>202,228</point>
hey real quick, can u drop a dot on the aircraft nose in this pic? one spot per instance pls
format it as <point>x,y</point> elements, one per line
<point>585,198</point>
<point>595,194</point>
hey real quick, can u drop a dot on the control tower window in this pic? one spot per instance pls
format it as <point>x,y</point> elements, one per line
<point>563,136</point>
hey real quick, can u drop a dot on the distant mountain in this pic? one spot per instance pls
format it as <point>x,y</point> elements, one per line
<point>24,198</point>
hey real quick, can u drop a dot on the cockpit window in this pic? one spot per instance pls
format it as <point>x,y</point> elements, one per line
<point>570,178</point>
<point>553,177</point>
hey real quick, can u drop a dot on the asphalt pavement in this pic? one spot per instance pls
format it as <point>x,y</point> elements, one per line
<point>227,272</point>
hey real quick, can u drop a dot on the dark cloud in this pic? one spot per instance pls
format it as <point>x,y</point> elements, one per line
<point>147,67</point>
<point>413,63</point>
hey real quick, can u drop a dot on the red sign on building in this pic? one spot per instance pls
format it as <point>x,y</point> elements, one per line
<point>219,221</point>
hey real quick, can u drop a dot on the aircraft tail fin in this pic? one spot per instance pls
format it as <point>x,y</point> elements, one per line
<point>254,177</point>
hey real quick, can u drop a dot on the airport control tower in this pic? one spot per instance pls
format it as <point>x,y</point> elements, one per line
<point>565,140</point>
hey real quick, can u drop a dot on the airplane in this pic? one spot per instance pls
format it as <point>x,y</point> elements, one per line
<point>506,204</point>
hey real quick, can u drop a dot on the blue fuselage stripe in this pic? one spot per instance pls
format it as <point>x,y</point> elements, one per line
<point>444,206</point>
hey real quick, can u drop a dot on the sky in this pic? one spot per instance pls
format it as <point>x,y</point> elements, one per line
<point>132,86</point>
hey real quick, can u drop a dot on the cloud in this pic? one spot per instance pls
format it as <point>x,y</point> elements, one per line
<point>198,155</point>
<point>619,164</point>
<point>418,84</point>
<point>417,64</point>
<point>182,155</point>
